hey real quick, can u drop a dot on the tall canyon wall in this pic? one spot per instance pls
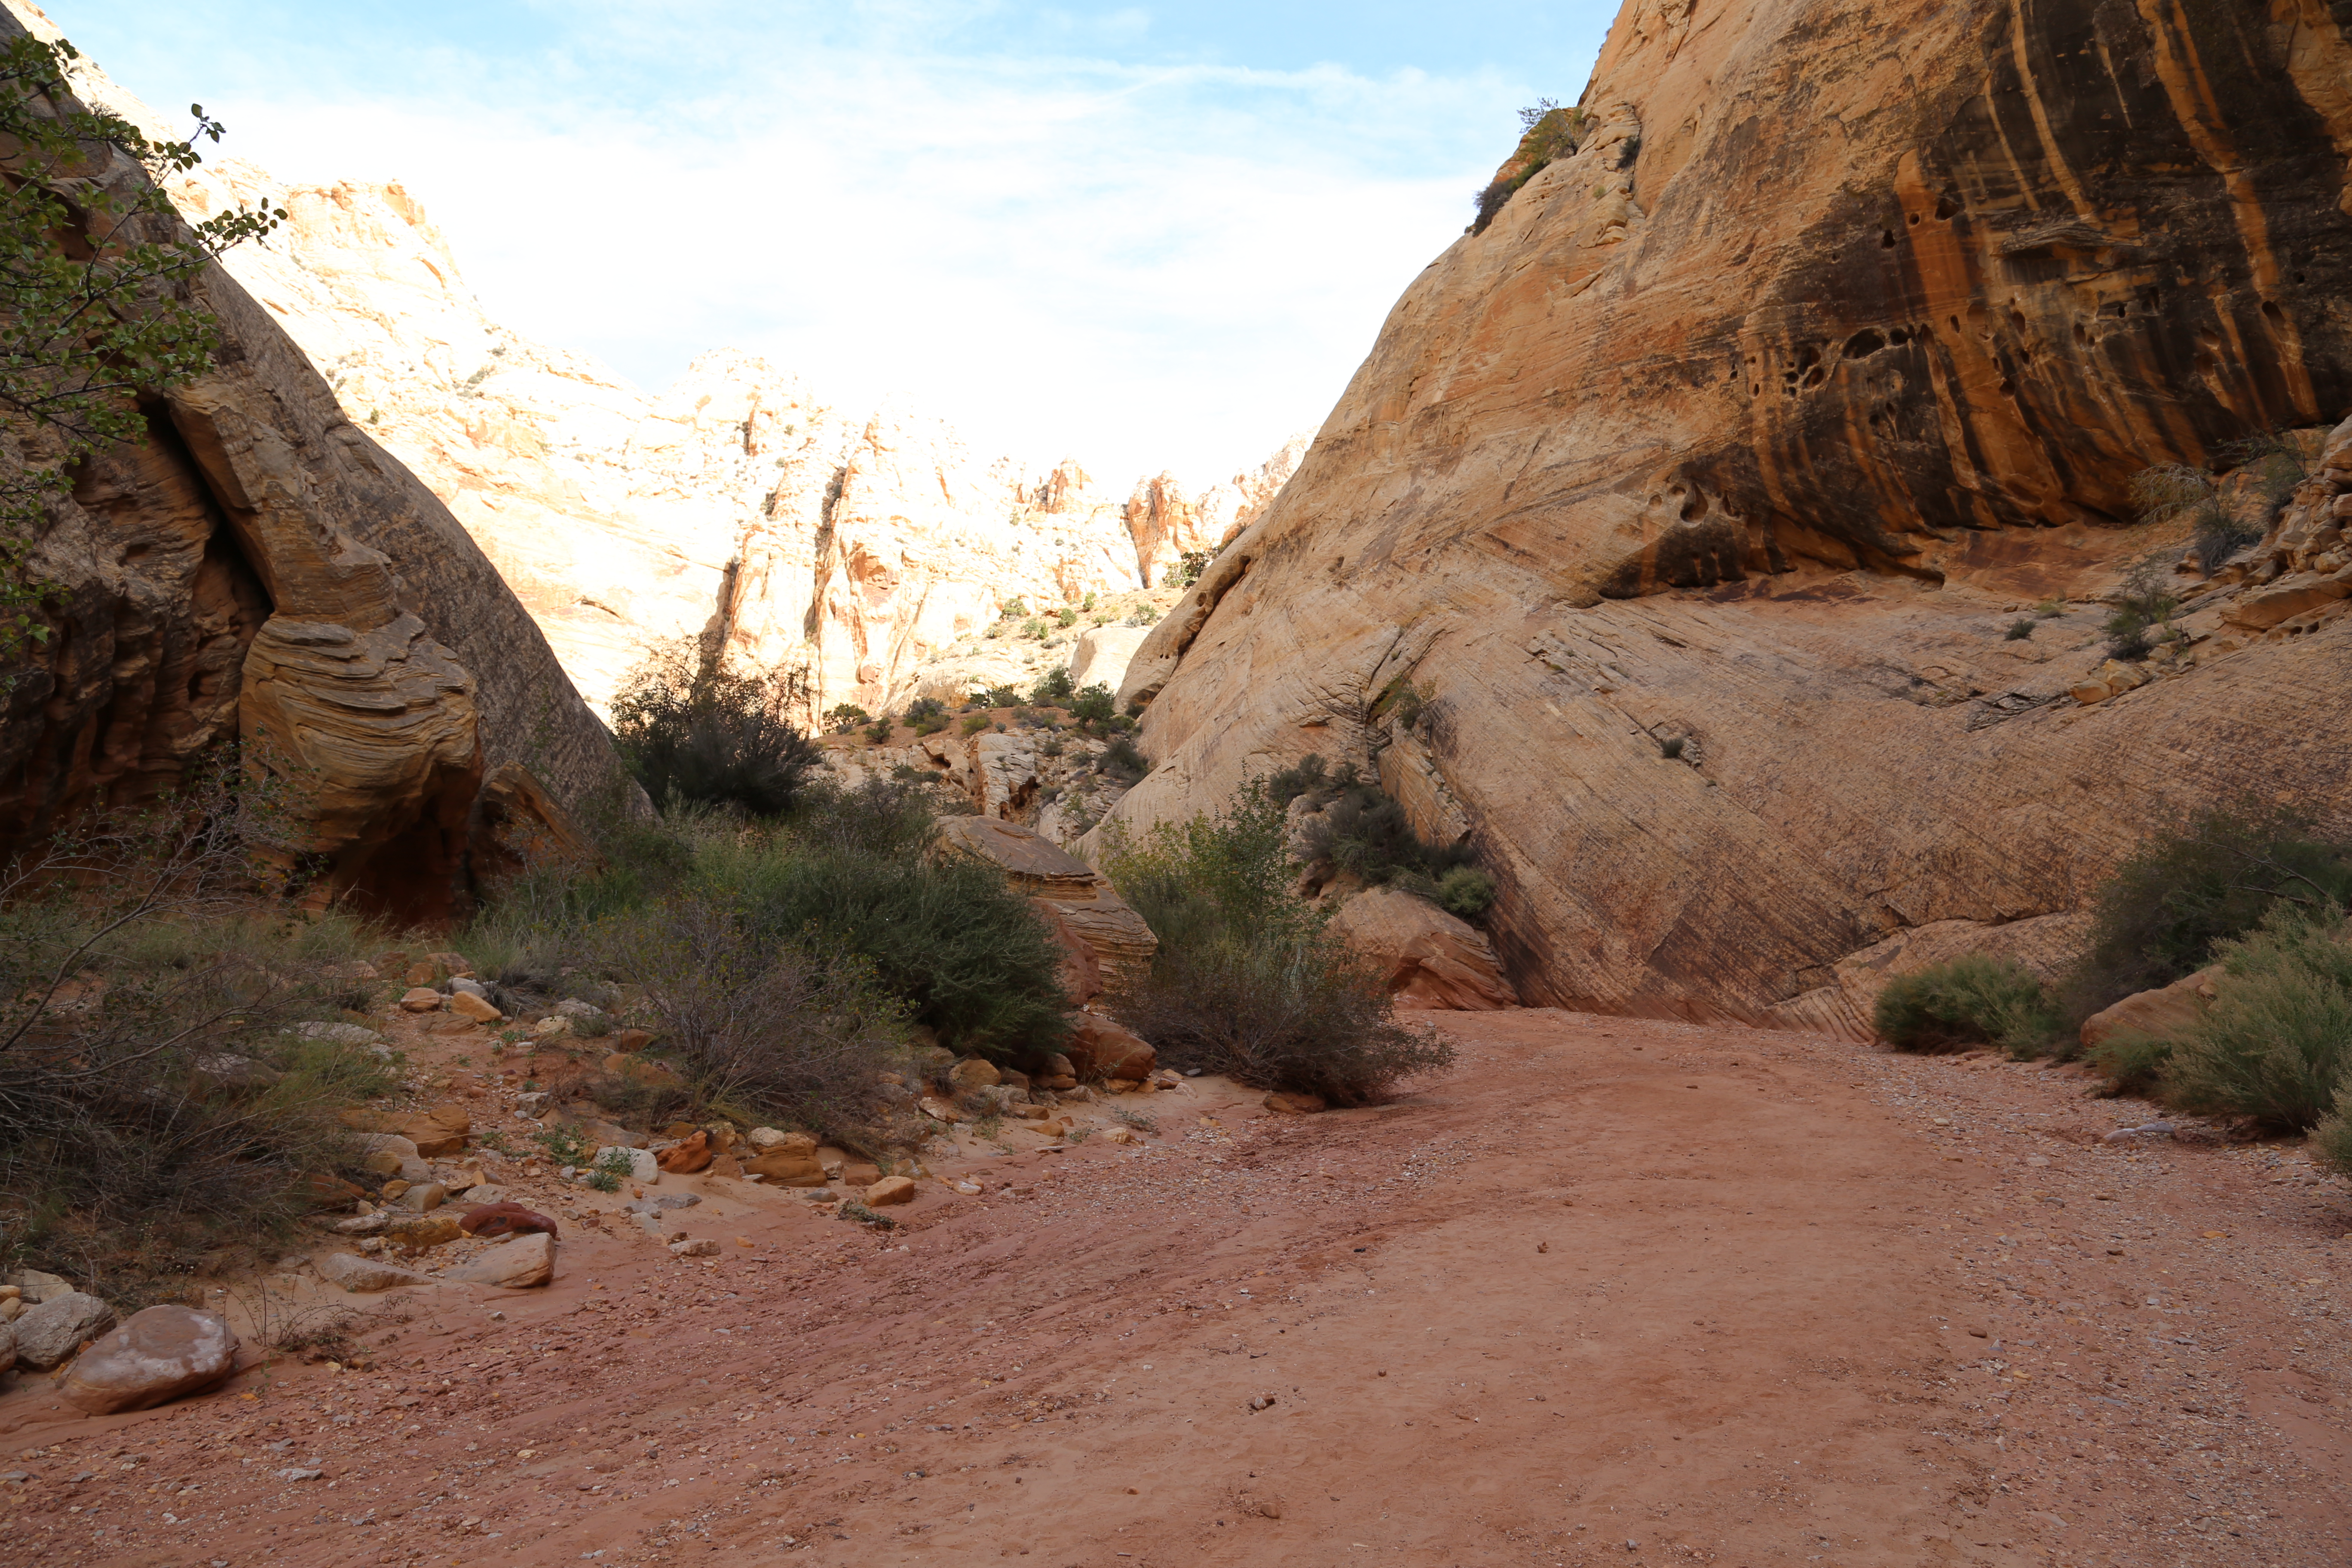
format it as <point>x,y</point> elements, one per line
<point>1699,491</point>
<point>857,545</point>
<point>259,570</point>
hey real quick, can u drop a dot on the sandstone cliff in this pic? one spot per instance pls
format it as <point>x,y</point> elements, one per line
<point>260,569</point>
<point>859,546</point>
<point>1697,491</point>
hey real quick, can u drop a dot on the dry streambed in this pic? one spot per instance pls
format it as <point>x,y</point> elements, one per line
<point>1614,1290</point>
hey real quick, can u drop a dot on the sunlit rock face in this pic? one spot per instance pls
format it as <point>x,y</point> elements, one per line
<point>1698,491</point>
<point>855,545</point>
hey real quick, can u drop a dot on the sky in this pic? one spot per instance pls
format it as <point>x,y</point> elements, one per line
<point>1147,236</point>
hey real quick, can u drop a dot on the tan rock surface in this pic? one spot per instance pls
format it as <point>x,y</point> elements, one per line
<point>2161,1013</point>
<point>262,569</point>
<point>521,1264</point>
<point>1084,905</point>
<point>1750,427</point>
<point>161,1355</point>
<point>870,547</point>
<point>1428,958</point>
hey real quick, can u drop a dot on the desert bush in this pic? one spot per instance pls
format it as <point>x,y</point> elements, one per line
<point>1141,615</point>
<point>2142,618</point>
<point>1248,981</point>
<point>160,1109</point>
<point>2210,876</point>
<point>1970,1001</point>
<point>2133,1063</point>
<point>1096,711</point>
<point>1067,617</point>
<point>2276,1044</point>
<point>2018,629</point>
<point>761,1030</point>
<point>1185,570</point>
<point>1548,132</point>
<point>692,731</point>
<point>1052,688</point>
<point>1123,762</point>
<point>927,715</point>
<point>2331,1141</point>
<point>1465,891</point>
<point>845,717</point>
<point>1360,829</point>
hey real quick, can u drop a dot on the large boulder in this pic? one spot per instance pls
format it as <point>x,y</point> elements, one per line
<point>162,1353</point>
<point>1694,492</point>
<point>1100,657</point>
<point>364,1276</point>
<point>435,1134</point>
<point>2160,1014</point>
<point>517,1265</point>
<point>1084,906</point>
<point>1427,957</point>
<point>47,1335</point>
<point>1097,1048</point>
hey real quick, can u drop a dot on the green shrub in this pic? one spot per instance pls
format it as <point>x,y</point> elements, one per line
<point>879,732</point>
<point>762,1027</point>
<point>693,731</point>
<point>1052,688</point>
<point>854,874</point>
<point>2133,1063</point>
<point>2050,609</point>
<point>1068,616</point>
<point>974,723</point>
<point>1123,762</point>
<point>1970,1001</point>
<point>2018,629</point>
<point>2212,877</point>
<point>1184,571</point>
<point>1247,981</point>
<point>610,1169</point>
<point>1548,132</point>
<point>2276,1044</point>
<point>2142,618</point>
<point>845,717</point>
<point>1465,891</point>
<point>2331,1141</point>
<point>927,715</point>
<point>1034,629</point>
<point>1094,708</point>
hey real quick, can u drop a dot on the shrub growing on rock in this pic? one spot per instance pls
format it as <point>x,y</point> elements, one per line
<point>2276,1046</point>
<point>1247,980</point>
<point>1361,830</point>
<point>1052,688</point>
<point>1973,1000</point>
<point>2213,877</point>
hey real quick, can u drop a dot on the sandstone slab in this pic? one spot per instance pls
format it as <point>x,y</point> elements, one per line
<point>2161,1013</point>
<point>889,1192</point>
<point>49,1333</point>
<point>524,1262</point>
<point>161,1353</point>
<point>364,1276</point>
<point>1427,957</point>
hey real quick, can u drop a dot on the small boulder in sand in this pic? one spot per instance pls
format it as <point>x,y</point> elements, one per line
<point>161,1355</point>
<point>47,1335</point>
<point>364,1276</point>
<point>889,1192</point>
<point>515,1265</point>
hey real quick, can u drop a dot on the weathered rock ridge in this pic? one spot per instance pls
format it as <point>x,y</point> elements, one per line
<point>259,569</point>
<point>857,547</point>
<point>1696,493</point>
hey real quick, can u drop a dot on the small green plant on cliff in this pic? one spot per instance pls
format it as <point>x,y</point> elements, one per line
<point>1247,980</point>
<point>1186,569</point>
<point>2018,629</point>
<point>95,301</point>
<point>1358,829</point>
<point>1972,1000</point>
<point>1052,688</point>
<point>927,715</point>
<point>1547,133</point>
<point>2143,615</point>
<point>2174,491</point>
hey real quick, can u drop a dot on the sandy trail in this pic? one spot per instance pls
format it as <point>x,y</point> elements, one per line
<point>1611,1291</point>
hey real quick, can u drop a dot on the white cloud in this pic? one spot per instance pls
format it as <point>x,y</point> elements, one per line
<point>1142,265</point>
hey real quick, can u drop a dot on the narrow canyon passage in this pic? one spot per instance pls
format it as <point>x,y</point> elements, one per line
<point>1613,1291</point>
